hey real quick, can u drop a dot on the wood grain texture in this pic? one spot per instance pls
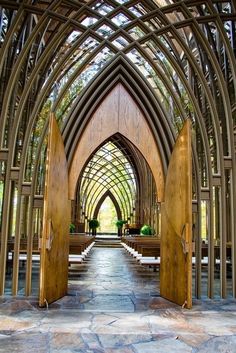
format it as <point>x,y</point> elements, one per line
<point>56,218</point>
<point>176,226</point>
<point>118,113</point>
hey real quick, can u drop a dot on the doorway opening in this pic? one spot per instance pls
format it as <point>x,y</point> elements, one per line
<point>107,217</point>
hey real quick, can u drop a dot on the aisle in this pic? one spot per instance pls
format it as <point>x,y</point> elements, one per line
<point>110,280</point>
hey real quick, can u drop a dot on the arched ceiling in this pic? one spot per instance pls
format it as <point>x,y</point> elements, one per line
<point>62,46</point>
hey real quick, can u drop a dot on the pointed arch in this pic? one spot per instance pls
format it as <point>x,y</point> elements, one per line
<point>120,71</point>
<point>117,113</point>
<point>108,168</point>
<point>102,199</point>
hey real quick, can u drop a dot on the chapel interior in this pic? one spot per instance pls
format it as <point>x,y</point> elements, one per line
<point>117,165</point>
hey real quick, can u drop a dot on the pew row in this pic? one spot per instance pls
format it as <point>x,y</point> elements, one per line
<point>145,250</point>
<point>79,247</point>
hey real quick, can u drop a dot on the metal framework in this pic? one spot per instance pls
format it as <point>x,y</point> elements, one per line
<point>177,58</point>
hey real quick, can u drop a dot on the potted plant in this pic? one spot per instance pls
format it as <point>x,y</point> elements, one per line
<point>93,224</point>
<point>119,224</point>
<point>72,228</point>
<point>147,230</point>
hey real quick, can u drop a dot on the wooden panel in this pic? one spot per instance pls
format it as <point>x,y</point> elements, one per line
<point>176,229</point>
<point>205,194</point>
<point>118,113</point>
<point>38,202</point>
<point>133,125</point>
<point>15,173</point>
<point>216,180</point>
<point>3,155</point>
<point>98,129</point>
<point>228,162</point>
<point>26,189</point>
<point>56,218</point>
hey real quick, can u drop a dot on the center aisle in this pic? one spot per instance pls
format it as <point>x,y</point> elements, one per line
<point>111,281</point>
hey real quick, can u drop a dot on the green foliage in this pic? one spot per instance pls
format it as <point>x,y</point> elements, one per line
<point>93,224</point>
<point>120,223</point>
<point>72,228</point>
<point>147,230</point>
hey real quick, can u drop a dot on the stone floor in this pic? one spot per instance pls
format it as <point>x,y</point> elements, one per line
<point>113,305</point>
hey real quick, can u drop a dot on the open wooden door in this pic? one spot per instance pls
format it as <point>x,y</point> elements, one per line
<point>176,224</point>
<point>56,218</point>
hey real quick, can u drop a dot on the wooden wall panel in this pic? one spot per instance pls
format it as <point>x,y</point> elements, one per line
<point>133,125</point>
<point>56,218</point>
<point>118,113</point>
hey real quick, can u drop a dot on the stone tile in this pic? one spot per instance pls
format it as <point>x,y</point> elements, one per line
<point>66,321</point>
<point>92,341</point>
<point>67,301</point>
<point>214,323</point>
<point>219,345</point>
<point>110,303</point>
<point>163,346</point>
<point>102,319</point>
<point>9,325</point>
<point>120,350</point>
<point>12,307</point>
<point>67,341</point>
<point>25,343</point>
<point>161,303</point>
<point>195,339</point>
<point>119,341</point>
<point>133,324</point>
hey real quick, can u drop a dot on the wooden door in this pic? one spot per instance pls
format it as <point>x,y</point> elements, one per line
<point>56,218</point>
<point>176,224</point>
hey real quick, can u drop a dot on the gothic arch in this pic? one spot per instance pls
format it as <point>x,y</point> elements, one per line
<point>127,120</point>
<point>119,72</point>
<point>113,199</point>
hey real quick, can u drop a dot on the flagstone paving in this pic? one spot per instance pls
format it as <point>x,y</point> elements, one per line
<point>113,305</point>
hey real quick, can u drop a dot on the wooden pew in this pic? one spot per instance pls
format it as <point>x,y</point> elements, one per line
<point>149,250</point>
<point>78,243</point>
<point>132,228</point>
<point>145,249</point>
<point>79,246</point>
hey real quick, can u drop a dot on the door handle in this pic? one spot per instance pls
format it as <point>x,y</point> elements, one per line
<point>50,236</point>
<point>184,243</point>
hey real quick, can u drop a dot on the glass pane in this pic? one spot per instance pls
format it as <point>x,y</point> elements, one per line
<point>136,32</point>
<point>122,1</point>
<point>204,221</point>
<point>135,11</point>
<point>103,8</point>
<point>120,19</point>
<point>105,31</point>
<point>14,208</point>
<point>93,67</point>
<point>89,21</point>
